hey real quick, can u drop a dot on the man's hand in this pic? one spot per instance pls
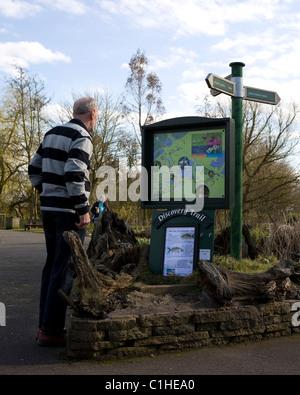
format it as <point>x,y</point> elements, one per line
<point>84,221</point>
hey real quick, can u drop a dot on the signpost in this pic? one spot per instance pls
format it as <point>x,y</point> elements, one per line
<point>214,92</point>
<point>261,95</point>
<point>220,84</point>
<point>233,85</point>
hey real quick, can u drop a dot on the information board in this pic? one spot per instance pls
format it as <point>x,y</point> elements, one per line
<point>192,148</point>
<point>174,150</point>
<point>179,239</point>
<point>179,251</point>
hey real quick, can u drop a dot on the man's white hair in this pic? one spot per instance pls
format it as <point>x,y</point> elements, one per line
<point>102,198</point>
<point>84,105</point>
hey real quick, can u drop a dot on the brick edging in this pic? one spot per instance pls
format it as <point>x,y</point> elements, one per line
<point>151,334</point>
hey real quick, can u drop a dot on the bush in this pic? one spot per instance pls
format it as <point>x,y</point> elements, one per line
<point>283,240</point>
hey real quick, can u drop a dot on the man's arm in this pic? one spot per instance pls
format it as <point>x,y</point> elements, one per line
<point>77,178</point>
<point>84,221</point>
<point>35,170</point>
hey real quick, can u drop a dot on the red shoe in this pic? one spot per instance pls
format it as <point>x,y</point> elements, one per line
<point>38,331</point>
<point>45,340</point>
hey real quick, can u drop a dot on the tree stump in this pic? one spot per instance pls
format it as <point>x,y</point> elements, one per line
<point>96,291</point>
<point>113,247</point>
<point>225,286</point>
<point>109,266</point>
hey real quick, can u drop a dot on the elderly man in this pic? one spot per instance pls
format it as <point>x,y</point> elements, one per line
<point>60,172</point>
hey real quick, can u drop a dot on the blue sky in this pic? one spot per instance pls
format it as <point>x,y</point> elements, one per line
<point>77,45</point>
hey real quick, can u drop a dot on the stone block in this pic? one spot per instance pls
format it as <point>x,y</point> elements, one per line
<point>84,336</point>
<point>83,324</point>
<point>214,315</point>
<point>164,319</point>
<point>173,329</point>
<point>129,334</point>
<point>117,323</point>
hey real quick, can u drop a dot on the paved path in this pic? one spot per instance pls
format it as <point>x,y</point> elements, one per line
<point>22,255</point>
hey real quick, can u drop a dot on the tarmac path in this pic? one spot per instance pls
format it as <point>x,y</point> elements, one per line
<point>22,255</point>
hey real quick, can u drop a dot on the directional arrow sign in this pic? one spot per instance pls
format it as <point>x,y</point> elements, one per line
<point>261,95</point>
<point>220,84</point>
<point>217,93</point>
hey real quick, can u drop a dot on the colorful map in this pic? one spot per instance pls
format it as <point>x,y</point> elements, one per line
<point>193,148</point>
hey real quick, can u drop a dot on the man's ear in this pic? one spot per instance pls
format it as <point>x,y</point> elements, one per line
<point>93,114</point>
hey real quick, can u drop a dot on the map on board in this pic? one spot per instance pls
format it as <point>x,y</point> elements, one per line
<point>193,148</point>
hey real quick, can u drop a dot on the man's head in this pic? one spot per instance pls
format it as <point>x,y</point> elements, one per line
<point>102,198</point>
<point>86,109</point>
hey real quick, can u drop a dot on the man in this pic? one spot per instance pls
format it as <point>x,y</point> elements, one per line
<point>60,172</point>
<point>98,207</point>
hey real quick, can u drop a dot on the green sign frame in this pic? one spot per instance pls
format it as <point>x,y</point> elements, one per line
<point>202,222</point>
<point>189,127</point>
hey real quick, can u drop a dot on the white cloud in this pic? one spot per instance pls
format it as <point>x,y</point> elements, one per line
<point>191,17</point>
<point>175,55</point>
<point>189,91</point>
<point>21,9</point>
<point>69,6</point>
<point>273,54</point>
<point>18,9</point>
<point>194,74</point>
<point>24,53</point>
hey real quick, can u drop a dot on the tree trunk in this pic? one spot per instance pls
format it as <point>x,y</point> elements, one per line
<point>108,268</point>
<point>113,245</point>
<point>96,290</point>
<point>225,286</point>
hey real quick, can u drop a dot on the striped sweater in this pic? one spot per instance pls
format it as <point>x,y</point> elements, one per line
<point>59,169</point>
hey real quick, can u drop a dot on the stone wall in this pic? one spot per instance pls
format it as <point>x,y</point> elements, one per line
<point>151,334</point>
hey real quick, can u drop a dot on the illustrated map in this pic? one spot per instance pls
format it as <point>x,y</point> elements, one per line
<point>193,148</point>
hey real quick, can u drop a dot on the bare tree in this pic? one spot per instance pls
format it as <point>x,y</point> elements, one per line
<point>142,103</point>
<point>269,181</point>
<point>23,122</point>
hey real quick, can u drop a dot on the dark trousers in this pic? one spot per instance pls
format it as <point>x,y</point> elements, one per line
<point>56,273</point>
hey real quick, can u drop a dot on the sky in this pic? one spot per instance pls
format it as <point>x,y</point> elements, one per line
<point>84,45</point>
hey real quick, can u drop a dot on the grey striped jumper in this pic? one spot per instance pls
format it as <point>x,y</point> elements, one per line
<point>59,169</point>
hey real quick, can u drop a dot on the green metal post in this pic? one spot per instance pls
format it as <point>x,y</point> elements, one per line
<point>237,115</point>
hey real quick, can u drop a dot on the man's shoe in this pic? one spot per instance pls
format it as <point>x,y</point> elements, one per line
<point>38,331</point>
<point>45,340</point>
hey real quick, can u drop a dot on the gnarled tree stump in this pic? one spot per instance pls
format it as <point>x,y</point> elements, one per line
<point>96,290</point>
<point>113,245</point>
<point>225,286</point>
<point>109,266</point>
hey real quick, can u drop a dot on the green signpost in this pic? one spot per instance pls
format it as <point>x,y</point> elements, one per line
<point>261,95</point>
<point>219,84</point>
<point>237,210</point>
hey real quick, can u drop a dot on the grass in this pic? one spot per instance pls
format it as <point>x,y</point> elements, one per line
<point>259,265</point>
